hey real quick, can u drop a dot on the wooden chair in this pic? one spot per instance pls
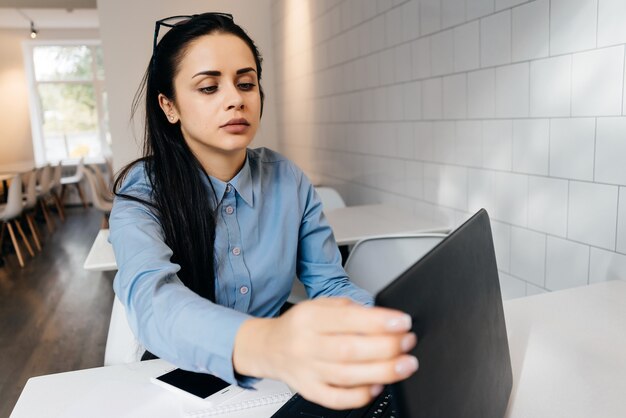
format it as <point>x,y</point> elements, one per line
<point>74,181</point>
<point>9,214</point>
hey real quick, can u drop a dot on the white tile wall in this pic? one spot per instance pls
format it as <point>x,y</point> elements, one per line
<point>518,106</point>
<point>572,25</point>
<point>531,30</point>
<point>531,146</point>
<point>592,214</point>
<point>528,255</point>
<point>610,160</point>
<point>550,86</point>
<point>512,91</point>
<point>567,264</point>
<point>495,39</point>
<point>572,147</point>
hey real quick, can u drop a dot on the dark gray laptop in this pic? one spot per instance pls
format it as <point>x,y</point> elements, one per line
<point>453,295</point>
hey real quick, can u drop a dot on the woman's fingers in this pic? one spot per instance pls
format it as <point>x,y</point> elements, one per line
<point>340,315</point>
<point>358,374</point>
<point>363,348</point>
<point>341,398</point>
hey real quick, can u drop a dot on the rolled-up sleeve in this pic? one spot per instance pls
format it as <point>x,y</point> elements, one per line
<point>319,260</point>
<point>169,319</point>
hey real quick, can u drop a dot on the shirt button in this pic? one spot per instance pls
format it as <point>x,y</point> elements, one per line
<point>243,290</point>
<point>229,210</point>
<point>236,250</point>
<point>228,187</point>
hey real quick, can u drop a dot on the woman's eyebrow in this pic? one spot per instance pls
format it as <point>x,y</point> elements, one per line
<point>219,73</point>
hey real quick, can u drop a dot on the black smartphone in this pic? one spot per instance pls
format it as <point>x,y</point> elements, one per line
<point>200,385</point>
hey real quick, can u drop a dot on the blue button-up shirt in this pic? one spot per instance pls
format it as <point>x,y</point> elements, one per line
<point>270,229</point>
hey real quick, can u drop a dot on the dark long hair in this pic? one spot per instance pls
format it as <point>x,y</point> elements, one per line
<point>179,198</point>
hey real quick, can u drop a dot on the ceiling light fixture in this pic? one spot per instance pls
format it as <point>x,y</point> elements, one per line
<point>33,31</point>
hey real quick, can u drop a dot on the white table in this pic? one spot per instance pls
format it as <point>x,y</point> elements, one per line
<point>349,224</point>
<point>101,256</point>
<point>568,352</point>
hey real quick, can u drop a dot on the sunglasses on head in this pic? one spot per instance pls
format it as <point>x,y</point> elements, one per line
<point>173,21</point>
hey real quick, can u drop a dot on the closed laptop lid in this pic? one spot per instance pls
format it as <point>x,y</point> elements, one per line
<point>453,295</point>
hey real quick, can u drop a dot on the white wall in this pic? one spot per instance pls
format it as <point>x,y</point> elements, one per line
<point>127,30</point>
<point>447,106</point>
<point>16,146</point>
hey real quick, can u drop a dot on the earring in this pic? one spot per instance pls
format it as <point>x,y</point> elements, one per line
<point>171,118</point>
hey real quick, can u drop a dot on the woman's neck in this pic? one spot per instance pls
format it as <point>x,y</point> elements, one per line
<point>223,166</point>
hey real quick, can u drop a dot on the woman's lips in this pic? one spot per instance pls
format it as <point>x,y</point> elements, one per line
<point>236,126</point>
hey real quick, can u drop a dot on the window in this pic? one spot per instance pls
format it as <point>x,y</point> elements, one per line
<point>68,101</point>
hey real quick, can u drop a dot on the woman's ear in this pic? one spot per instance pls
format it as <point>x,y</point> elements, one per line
<point>168,108</point>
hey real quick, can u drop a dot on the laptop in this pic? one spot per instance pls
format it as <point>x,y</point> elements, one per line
<point>453,295</point>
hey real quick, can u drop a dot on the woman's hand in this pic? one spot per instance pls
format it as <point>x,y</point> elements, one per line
<point>333,351</point>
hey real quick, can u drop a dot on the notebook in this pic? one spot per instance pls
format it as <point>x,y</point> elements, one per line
<point>453,295</point>
<point>267,392</point>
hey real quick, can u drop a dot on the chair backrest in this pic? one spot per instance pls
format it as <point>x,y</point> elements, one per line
<point>331,199</point>
<point>30,178</point>
<point>103,184</point>
<point>80,169</point>
<point>122,346</point>
<point>375,262</point>
<point>96,193</point>
<point>56,176</point>
<point>14,204</point>
<point>45,179</point>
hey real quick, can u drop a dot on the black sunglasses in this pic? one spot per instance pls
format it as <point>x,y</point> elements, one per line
<point>173,21</point>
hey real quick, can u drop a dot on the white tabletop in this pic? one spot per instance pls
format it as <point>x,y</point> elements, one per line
<point>101,256</point>
<point>349,224</point>
<point>568,352</point>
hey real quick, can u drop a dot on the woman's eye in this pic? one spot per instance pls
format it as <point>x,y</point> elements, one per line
<point>246,86</point>
<point>208,90</point>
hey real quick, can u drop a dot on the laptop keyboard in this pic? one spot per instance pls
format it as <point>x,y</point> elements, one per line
<point>297,406</point>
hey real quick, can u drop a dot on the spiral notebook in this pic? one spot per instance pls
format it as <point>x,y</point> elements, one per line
<point>267,392</point>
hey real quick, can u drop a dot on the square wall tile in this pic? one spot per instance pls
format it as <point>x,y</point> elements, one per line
<point>481,94</point>
<point>592,214</point>
<point>432,98</point>
<point>495,39</point>
<point>512,90</point>
<point>442,52</point>
<point>412,99</point>
<point>445,185</point>
<point>443,142</point>
<point>532,290</point>
<point>531,145</point>
<point>386,67</point>
<point>547,205</point>
<point>420,58</point>
<point>597,82</point>
<point>405,143</point>
<point>606,265</point>
<point>479,8</point>
<point>469,143</point>
<point>621,221</point>
<point>611,151</point>
<point>395,104</point>
<point>507,4</point>
<point>531,30</point>
<point>423,136</point>
<point>467,47</point>
<point>430,16</point>
<point>511,287</point>
<point>572,25</point>
<point>410,20</point>
<point>611,18</point>
<point>497,144</point>
<point>502,245</point>
<point>393,27</point>
<point>452,13</point>
<point>511,198</point>
<point>567,264</point>
<point>572,148</point>
<point>414,179</point>
<point>454,97</point>
<point>481,190</point>
<point>528,255</point>
<point>402,63</point>
<point>550,87</point>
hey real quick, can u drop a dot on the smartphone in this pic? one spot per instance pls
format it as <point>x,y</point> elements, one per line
<point>197,385</point>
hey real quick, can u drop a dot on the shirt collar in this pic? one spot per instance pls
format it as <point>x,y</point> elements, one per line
<point>242,183</point>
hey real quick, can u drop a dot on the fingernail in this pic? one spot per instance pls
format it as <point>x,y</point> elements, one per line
<point>376,390</point>
<point>406,366</point>
<point>408,342</point>
<point>399,323</point>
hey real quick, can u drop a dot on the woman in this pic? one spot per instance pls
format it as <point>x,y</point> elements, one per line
<point>209,234</point>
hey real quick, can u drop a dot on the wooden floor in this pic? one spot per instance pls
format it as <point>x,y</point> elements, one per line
<point>54,315</point>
